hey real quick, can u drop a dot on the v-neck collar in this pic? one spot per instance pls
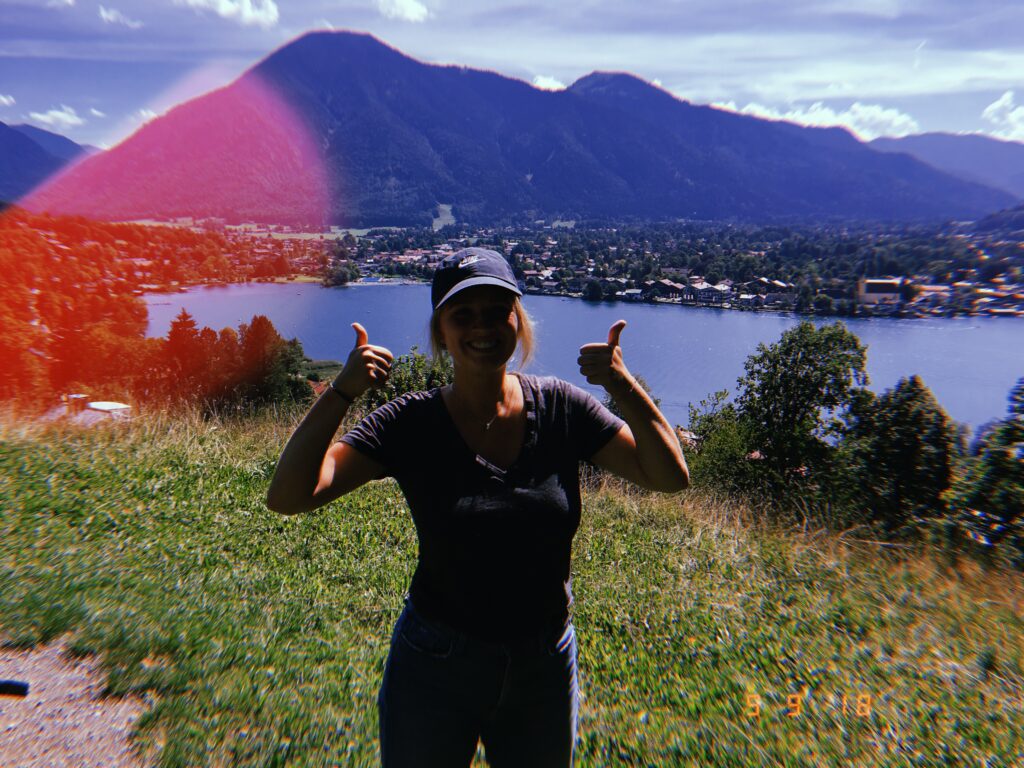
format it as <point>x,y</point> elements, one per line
<point>529,431</point>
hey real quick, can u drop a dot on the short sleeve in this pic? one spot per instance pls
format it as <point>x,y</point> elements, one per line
<point>377,435</point>
<point>591,425</point>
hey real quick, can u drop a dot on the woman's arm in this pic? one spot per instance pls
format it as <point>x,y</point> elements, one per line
<point>311,472</point>
<point>646,450</point>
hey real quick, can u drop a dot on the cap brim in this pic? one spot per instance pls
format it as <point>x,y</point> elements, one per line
<point>481,280</point>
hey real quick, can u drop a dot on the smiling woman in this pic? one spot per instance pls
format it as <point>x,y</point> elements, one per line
<point>485,649</point>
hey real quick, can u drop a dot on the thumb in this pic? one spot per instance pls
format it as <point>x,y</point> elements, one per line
<point>361,338</point>
<point>614,332</point>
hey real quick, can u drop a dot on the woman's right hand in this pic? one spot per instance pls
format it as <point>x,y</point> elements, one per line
<point>367,366</point>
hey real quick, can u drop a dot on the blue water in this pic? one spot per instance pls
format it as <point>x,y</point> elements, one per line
<point>684,353</point>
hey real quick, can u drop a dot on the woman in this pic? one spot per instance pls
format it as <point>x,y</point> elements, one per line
<point>484,649</point>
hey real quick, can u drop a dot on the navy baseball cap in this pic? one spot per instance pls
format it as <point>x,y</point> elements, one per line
<point>469,267</point>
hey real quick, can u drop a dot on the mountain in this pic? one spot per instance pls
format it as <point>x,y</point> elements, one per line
<point>1008,224</point>
<point>23,163</point>
<point>59,146</point>
<point>339,127</point>
<point>982,159</point>
<point>30,155</point>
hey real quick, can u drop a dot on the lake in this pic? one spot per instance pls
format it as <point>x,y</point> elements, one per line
<point>684,353</point>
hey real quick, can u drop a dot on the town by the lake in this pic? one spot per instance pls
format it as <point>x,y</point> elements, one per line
<point>824,271</point>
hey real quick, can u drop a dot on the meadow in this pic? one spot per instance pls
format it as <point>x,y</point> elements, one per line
<point>708,634</point>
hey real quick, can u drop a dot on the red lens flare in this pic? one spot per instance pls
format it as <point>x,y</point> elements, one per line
<point>239,154</point>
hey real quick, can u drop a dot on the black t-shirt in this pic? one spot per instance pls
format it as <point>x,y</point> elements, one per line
<point>494,546</point>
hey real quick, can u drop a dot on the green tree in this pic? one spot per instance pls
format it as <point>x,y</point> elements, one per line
<point>186,362</point>
<point>804,299</point>
<point>23,364</point>
<point>988,498</point>
<point>794,394</point>
<point>901,447</point>
<point>270,365</point>
<point>341,273</point>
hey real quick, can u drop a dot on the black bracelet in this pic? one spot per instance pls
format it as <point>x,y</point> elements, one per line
<point>348,400</point>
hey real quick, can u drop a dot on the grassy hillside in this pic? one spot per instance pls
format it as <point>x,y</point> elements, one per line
<point>260,640</point>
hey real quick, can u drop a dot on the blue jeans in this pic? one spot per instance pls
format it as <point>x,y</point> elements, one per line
<point>444,690</point>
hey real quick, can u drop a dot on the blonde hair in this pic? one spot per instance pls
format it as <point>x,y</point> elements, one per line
<point>524,336</point>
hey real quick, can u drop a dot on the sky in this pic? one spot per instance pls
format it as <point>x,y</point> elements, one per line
<point>96,71</point>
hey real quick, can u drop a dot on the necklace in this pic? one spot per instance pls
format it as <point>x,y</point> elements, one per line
<point>486,424</point>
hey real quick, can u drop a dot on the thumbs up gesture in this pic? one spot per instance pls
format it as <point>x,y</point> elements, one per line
<point>367,366</point>
<point>602,363</point>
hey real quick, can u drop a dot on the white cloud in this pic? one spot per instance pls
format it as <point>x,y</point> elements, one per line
<point>406,10</point>
<point>144,115</point>
<point>6,100</point>
<point>546,83</point>
<point>95,112</point>
<point>114,16</point>
<point>1006,116</point>
<point>60,3</point>
<point>262,13</point>
<point>868,121</point>
<point>62,118</point>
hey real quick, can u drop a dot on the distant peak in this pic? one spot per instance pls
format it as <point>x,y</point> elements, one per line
<point>609,79</point>
<point>325,43</point>
<point>336,36</point>
<point>618,84</point>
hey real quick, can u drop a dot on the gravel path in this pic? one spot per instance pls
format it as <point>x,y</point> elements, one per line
<point>63,722</point>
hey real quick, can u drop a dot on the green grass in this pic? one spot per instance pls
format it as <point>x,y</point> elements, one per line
<point>260,639</point>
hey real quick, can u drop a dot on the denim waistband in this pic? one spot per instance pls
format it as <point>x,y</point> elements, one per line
<point>542,641</point>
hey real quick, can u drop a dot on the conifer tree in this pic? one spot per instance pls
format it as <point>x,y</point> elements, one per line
<point>902,448</point>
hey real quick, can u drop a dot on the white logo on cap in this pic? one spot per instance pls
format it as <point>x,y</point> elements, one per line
<point>469,260</point>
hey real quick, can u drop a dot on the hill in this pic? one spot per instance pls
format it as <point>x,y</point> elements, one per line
<point>23,163</point>
<point>338,127</point>
<point>30,155</point>
<point>981,159</point>
<point>57,145</point>
<point>1008,224</point>
<point>258,639</point>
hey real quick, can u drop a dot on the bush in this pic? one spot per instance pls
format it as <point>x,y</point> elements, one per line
<point>721,461</point>
<point>413,372</point>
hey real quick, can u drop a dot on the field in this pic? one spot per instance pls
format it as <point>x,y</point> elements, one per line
<point>259,640</point>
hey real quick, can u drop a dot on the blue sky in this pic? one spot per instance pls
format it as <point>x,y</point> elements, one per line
<point>95,71</point>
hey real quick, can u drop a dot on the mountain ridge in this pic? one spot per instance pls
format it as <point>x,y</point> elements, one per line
<point>30,155</point>
<point>396,137</point>
<point>998,163</point>
<point>56,144</point>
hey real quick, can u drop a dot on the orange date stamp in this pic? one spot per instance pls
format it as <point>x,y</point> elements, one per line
<point>856,705</point>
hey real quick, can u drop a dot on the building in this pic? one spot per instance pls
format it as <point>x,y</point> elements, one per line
<point>881,290</point>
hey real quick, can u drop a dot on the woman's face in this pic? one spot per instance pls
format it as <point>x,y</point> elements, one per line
<point>479,328</point>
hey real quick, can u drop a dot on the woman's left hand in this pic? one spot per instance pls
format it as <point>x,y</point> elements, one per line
<point>602,363</point>
<point>645,450</point>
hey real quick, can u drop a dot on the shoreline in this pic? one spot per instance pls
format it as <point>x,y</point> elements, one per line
<point>390,281</point>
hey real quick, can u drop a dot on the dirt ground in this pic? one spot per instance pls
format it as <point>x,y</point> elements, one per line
<point>63,722</point>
